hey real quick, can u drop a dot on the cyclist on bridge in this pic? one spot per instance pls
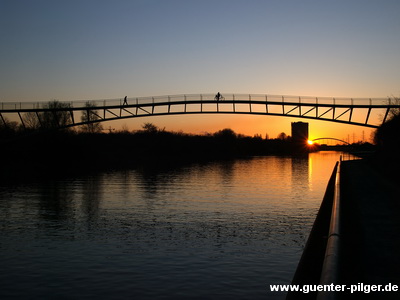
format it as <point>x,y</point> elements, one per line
<point>218,97</point>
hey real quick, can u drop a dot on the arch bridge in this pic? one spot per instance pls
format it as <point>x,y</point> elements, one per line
<point>332,139</point>
<point>355,111</point>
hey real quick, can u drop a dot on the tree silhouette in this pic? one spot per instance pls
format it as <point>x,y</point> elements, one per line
<point>387,138</point>
<point>31,120</point>
<point>394,112</point>
<point>56,116</point>
<point>282,136</point>
<point>91,116</point>
<point>226,133</point>
<point>149,128</point>
<point>7,127</point>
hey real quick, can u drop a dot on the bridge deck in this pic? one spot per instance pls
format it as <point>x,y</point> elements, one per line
<point>361,112</point>
<point>370,228</point>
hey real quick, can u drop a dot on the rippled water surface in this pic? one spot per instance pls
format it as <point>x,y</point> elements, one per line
<point>222,230</point>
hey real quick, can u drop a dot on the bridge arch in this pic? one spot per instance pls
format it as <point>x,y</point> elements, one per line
<point>328,138</point>
<point>339,110</point>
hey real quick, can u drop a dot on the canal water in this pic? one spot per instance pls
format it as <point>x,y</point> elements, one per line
<point>220,230</point>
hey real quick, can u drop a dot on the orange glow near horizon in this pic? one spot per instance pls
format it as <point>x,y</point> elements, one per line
<point>310,142</point>
<point>248,125</point>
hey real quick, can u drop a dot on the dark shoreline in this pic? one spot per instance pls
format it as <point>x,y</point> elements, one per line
<point>58,154</point>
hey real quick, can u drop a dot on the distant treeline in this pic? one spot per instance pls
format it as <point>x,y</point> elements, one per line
<point>58,152</point>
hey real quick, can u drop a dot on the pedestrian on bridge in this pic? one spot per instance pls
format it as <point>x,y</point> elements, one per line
<point>126,100</point>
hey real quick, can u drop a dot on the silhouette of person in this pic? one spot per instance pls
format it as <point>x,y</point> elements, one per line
<point>218,96</point>
<point>126,100</point>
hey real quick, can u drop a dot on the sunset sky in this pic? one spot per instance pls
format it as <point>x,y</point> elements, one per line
<point>96,49</point>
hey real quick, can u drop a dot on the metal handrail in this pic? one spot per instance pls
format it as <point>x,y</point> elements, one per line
<point>330,268</point>
<point>301,100</point>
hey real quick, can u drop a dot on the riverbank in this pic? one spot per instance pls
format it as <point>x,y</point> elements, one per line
<point>368,246</point>
<point>370,226</point>
<point>59,153</point>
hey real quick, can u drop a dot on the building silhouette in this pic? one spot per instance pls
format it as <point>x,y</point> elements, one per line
<point>299,132</point>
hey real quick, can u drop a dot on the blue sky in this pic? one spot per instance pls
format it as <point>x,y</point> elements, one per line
<point>71,50</point>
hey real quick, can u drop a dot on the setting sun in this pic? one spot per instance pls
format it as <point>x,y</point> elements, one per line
<point>310,142</point>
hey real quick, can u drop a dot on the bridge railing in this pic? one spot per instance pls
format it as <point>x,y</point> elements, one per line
<point>17,106</point>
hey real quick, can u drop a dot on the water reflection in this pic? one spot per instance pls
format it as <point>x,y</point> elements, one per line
<point>92,193</point>
<point>226,172</point>
<point>300,180</point>
<point>56,203</point>
<point>232,227</point>
<point>152,180</point>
